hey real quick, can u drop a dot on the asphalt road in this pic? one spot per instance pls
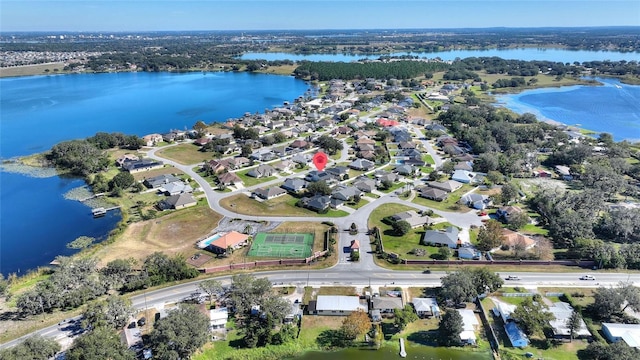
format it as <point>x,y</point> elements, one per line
<point>341,275</point>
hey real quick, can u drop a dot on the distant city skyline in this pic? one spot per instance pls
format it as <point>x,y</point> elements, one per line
<point>168,15</point>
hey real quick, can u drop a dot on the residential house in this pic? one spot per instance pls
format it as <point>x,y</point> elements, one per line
<point>179,201</point>
<point>464,165</point>
<point>406,170</point>
<point>284,165</point>
<point>629,333</point>
<point>426,307</point>
<point>448,237</point>
<point>152,139</point>
<point>238,162</point>
<point>448,186</point>
<point>269,193</point>
<point>470,325</point>
<point>433,193</point>
<point>160,180</point>
<point>141,165</point>
<point>336,305</point>
<point>263,155</point>
<point>542,173</point>
<point>231,240</point>
<point>406,145</point>
<point>362,164</point>
<point>503,310</point>
<point>218,318</point>
<point>562,311</point>
<point>202,141</point>
<point>386,304</point>
<point>317,202</point>
<point>302,159</point>
<point>476,201</point>
<point>176,187</point>
<point>469,253</point>
<point>315,176</point>
<point>365,184</point>
<point>564,172</point>
<point>216,166</point>
<point>299,144</point>
<point>294,185</point>
<point>262,171</point>
<point>463,176</point>
<point>339,172</point>
<point>345,193</point>
<point>506,211</point>
<point>228,179</point>
<point>413,218</point>
<point>514,239</point>
<point>126,158</point>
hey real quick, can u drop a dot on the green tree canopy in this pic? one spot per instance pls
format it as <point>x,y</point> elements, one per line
<point>35,348</point>
<point>99,343</point>
<point>450,328</point>
<point>181,333</point>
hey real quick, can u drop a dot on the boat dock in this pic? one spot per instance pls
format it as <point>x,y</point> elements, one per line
<point>101,211</point>
<point>403,353</point>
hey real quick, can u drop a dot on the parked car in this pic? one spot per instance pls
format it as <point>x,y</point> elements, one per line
<point>511,277</point>
<point>587,277</point>
<point>142,321</point>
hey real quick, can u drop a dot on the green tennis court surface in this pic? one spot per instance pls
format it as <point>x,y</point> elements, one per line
<point>282,245</point>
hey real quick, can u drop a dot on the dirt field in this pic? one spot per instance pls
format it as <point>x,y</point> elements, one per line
<point>171,234</point>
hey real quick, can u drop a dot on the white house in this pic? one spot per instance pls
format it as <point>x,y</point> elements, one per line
<point>337,305</point>
<point>218,318</point>
<point>470,325</point>
<point>629,333</point>
<point>562,312</point>
<point>426,307</point>
<point>463,176</point>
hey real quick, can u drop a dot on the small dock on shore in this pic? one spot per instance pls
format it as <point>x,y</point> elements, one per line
<point>101,211</point>
<point>91,197</point>
<point>403,353</point>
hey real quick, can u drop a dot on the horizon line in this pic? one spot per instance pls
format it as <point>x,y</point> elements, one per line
<point>330,29</point>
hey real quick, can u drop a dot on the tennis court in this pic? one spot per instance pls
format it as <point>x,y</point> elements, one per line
<point>282,245</point>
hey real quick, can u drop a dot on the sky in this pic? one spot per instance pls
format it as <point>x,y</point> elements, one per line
<point>167,15</point>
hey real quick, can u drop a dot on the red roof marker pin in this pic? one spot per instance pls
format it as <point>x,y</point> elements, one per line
<point>320,160</point>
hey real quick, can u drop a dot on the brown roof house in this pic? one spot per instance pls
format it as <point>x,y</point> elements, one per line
<point>231,240</point>
<point>513,239</point>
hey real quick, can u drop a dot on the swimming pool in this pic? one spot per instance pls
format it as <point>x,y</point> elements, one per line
<point>204,243</point>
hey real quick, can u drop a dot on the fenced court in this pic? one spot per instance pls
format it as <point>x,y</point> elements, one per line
<point>282,245</point>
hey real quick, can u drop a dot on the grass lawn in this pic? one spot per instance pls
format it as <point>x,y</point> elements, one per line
<point>250,181</point>
<point>533,229</point>
<point>428,159</point>
<point>395,186</point>
<point>317,229</point>
<point>360,204</point>
<point>185,154</point>
<point>281,206</point>
<point>37,69</point>
<point>337,290</point>
<point>175,233</point>
<point>450,204</point>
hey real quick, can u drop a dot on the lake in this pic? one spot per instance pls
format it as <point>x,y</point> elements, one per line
<point>37,112</point>
<point>414,351</point>
<point>613,107</point>
<point>527,54</point>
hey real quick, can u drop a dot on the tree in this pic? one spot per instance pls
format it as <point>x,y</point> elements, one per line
<point>531,314</point>
<point>458,287</point>
<point>122,180</point>
<point>355,255</point>
<point>354,325</point>
<point>574,322</point>
<point>518,220</point>
<point>212,287</point>
<point>509,193</point>
<point>99,343</point>
<point>117,271</point>
<point>35,348</point>
<point>444,253</point>
<point>607,302</point>
<point>485,280</point>
<point>450,328</point>
<point>329,144</point>
<point>319,188</point>
<point>490,236</point>
<point>247,291</point>
<point>200,127</point>
<point>401,227</point>
<point>246,150</point>
<point>404,316</point>
<point>114,312</point>
<point>178,335</point>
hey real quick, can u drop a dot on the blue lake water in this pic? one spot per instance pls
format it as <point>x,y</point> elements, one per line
<point>528,54</point>
<point>613,107</point>
<point>36,221</point>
